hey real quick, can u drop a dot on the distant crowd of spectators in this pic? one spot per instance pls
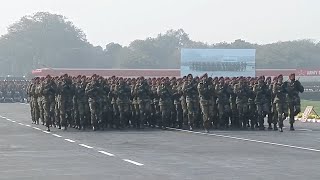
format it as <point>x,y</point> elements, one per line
<point>13,91</point>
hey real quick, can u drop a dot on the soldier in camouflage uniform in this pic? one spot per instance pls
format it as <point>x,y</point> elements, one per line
<point>252,108</point>
<point>192,100</point>
<point>123,92</point>
<point>234,105</point>
<point>40,100</point>
<point>105,103</point>
<point>66,91</point>
<point>32,100</point>
<point>48,92</point>
<point>155,110</point>
<point>205,90</point>
<point>92,91</point>
<point>143,92</point>
<point>279,91</point>
<point>293,89</point>
<point>223,93</point>
<point>242,91</point>
<point>261,100</point>
<point>80,94</point>
<point>176,94</point>
<point>165,96</point>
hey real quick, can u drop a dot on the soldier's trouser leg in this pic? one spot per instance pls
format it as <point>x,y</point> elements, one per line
<point>252,115</point>
<point>191,113</point>
<point>142,113</point>
<point>123,110</point>
<point>40,106</point>
<point>205,115</point>
<point>46,112</point>
<point>234,115</point>
<point>152,115</point>
<point>94,113</point>
<point>165,113</point>
<point>242,123</point>
<point>282,112</point>
<point>221,114</point>
<point>260,115</point>
<point>32,110</point>
<point>179,115</point>
<point>82,122</point>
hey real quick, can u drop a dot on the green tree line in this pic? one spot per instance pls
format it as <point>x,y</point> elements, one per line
<point>51,40</point>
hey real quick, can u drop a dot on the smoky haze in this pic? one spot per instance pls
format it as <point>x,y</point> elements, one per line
<point>209,21</point>
<point>150,34</point>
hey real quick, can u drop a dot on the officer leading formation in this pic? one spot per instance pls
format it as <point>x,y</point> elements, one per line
<point>190,102</point>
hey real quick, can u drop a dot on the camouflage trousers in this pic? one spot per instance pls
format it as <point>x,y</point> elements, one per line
<point>48,111</point>
<point>40,106</point>
<point>94,111</point>
<point>34,110</point>
<point>65,107</point>
<point>242,109</point>
<point>224,113</point>
<point>207,112</point>
<point>193,110</point>
<point>144,111</point>
<point>165,111</point>
<point>262,110</point>
<point>294,108</point>
<point>282,112</point>
<point>124,112</point>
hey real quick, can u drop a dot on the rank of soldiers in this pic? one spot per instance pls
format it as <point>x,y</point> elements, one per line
<point>189,102</point>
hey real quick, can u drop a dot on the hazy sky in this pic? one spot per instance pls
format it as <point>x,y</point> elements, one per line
<point>122,21</point>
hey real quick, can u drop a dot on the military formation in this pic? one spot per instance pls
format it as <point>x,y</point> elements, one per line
<point>13,91</point>
<point>218,66</point>
<point>189,102</point>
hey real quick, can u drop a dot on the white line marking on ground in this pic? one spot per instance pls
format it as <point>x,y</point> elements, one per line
<point>133,162</point>
<point>304,129</point>
<point>27,125</point>
<point>300,129</point>
<point>21,124</point>
<point>36,128</point>
<point>106,153</point>
<point>69,140</point>
<point>86,146</point>
<point>13,121</point>
<point>250,140</point>
<point>46,132</point>
<point>56,135</point>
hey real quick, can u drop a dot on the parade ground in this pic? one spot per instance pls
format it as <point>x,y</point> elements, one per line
<point>27,151</point>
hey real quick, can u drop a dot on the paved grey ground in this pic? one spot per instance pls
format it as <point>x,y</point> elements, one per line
<point>28,153</point>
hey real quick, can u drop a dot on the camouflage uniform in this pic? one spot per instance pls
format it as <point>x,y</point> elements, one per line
<point>205,89</point>
<point>123,92</point>
<point>223,92</point>
<point>40,101</point>
<point>65,106</point>
<point>165,96</point>
<point>48,92</point>
<point>92,91</point>
<point>192,100</point>
<point>279,91</point>
<point>242,91</point>
<point>261,91</point>
<point>178,113</point>
<point>143,101</point>
<point>81,101</point>
<point>293,89</point>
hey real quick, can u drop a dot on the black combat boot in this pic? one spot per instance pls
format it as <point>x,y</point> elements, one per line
<point>280,129</point>
<point>291,127</point>
<point>275,128</point>
<point>270,126</point>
